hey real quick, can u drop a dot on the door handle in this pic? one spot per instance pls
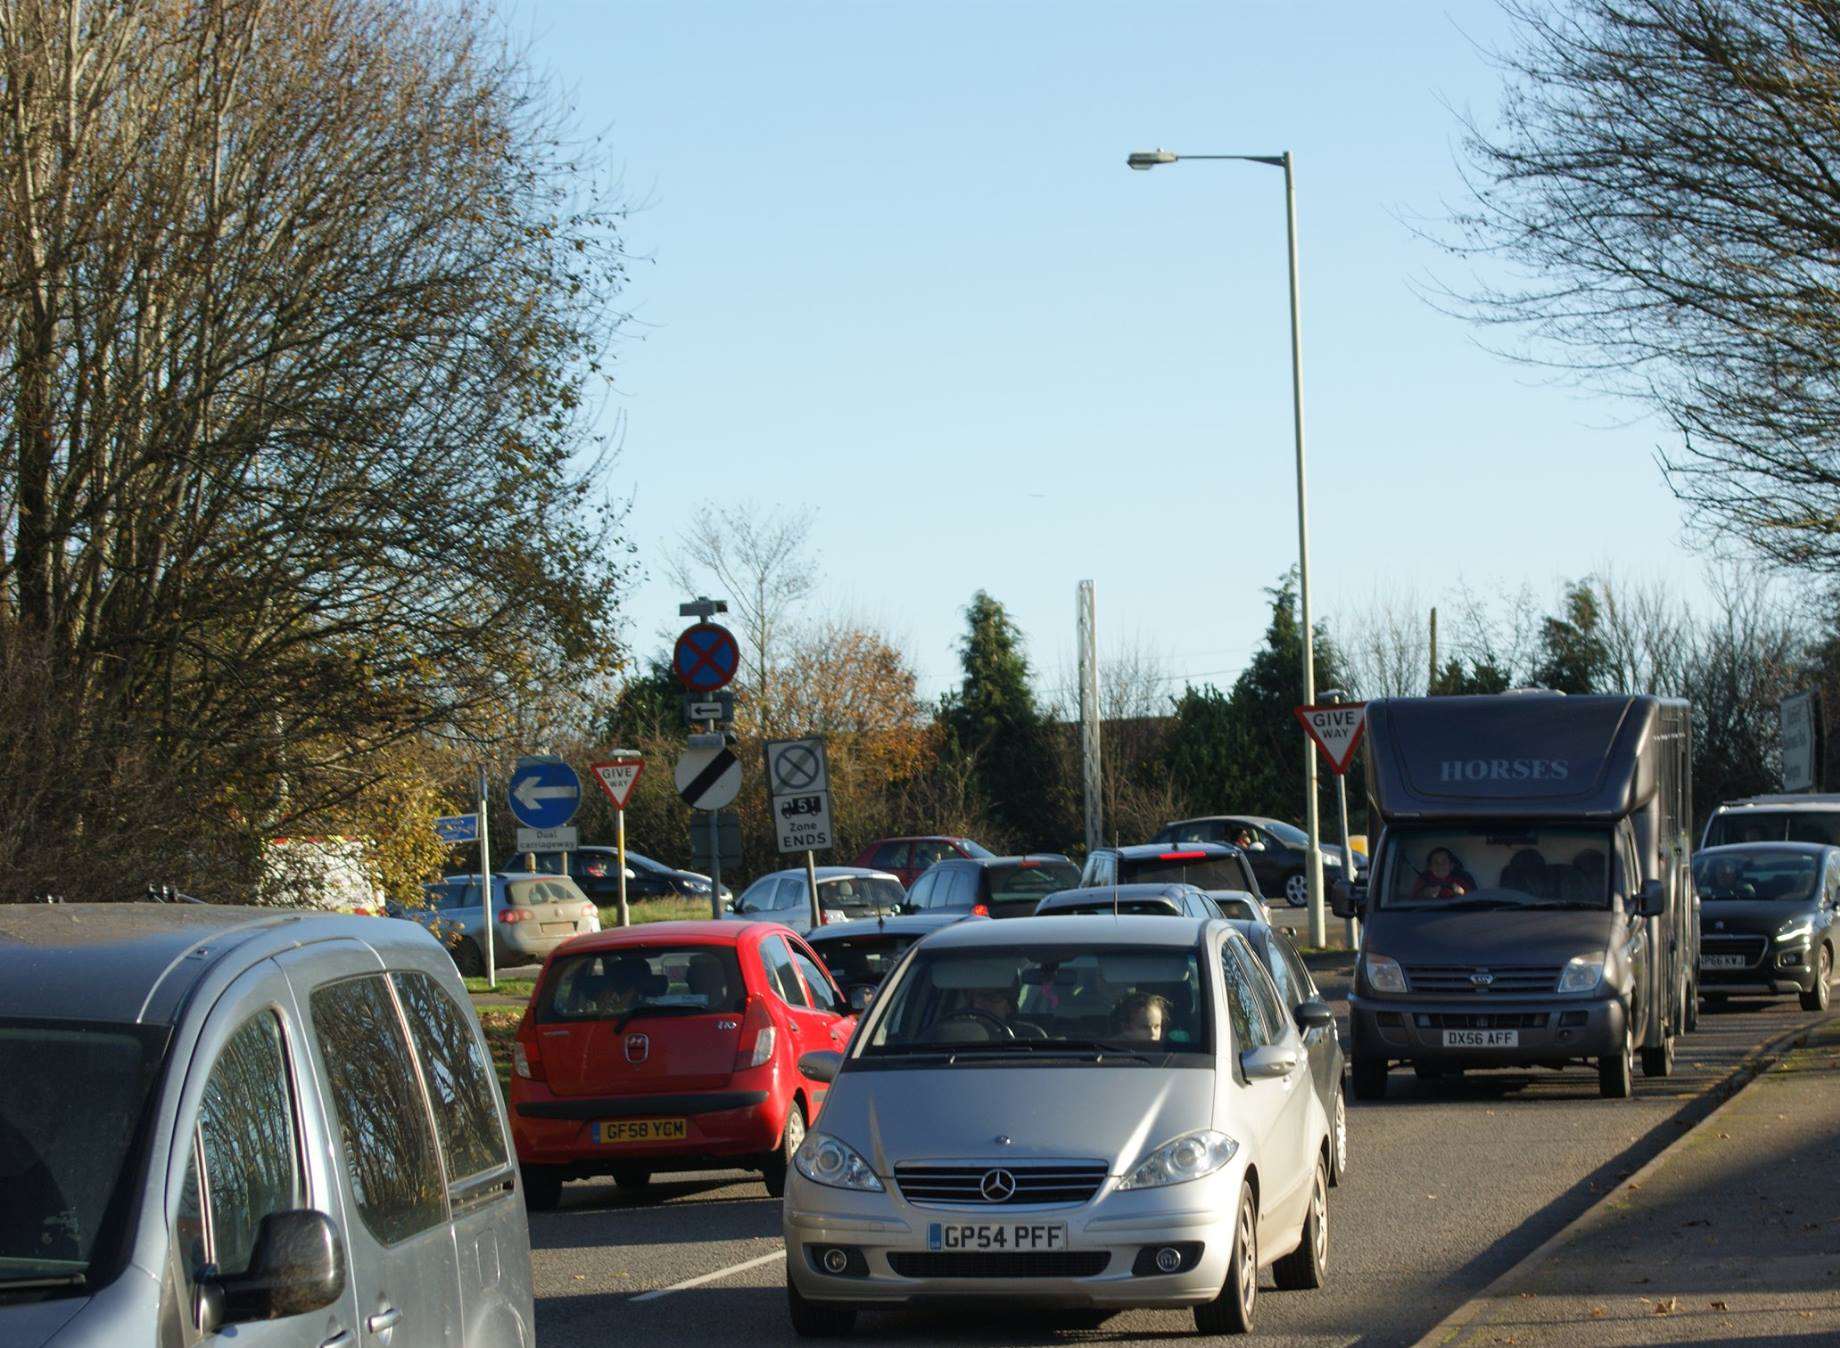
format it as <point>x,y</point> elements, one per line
<point>383,1321</point>
<point>342,1339</point>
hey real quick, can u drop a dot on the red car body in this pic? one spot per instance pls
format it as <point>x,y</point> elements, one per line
<point>907,857</point>
<point>680,1088</point>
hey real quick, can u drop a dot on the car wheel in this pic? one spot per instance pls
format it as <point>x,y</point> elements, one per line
<point>1370,1078</point>
<point>1232,1311</point>
<point>1816,998</point>
<point>542,1187</point>
<point>468,960</point>
<point>1296,889</point>
<point>777,1164</point>
<point>1614,1075</point>
<point>1307,1266</point>
<point>1693,1005</point>
<point>1340,1139</point>
<point>1659,1062</point>
<point>632,1177</point>
<point>817,1319</point>
<point>1426,1072</point>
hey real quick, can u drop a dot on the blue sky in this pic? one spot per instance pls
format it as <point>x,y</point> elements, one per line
<point>895,268</point>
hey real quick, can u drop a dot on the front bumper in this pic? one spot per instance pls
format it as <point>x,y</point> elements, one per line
<point>1547,1030</point>
<point>1779,973</point>
<point>1106,1238</point>
<point>721,1127</point>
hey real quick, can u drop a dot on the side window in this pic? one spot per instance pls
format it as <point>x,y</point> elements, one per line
<point>791,897</point>
<point>460,1081</point>
<point>1245,998</point>
<point>889,856</point>
<point>921,895</point>
<point>1277,1016</point>
<point>817,984</point>
<point>1304,986</point>
<point>389,1146</point>
<point>784,981</point>
<point>246,1140</point>
<point>1281,976</point>
<point>963,894</point>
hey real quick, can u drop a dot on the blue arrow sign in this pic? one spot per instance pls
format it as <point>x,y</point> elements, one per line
<point>457,828</point>
<point>543,792</point>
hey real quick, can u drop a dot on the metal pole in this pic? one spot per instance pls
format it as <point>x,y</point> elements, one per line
<point>1431,684</point>
<point>715,864</point>
<point>485,882</point>
<point>619,834</point>
<point>811,882</point>
<point>1319,929</point>
<point>1091,777</point>
<point>1353,931</point>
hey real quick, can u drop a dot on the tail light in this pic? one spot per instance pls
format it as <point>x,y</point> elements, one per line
<point>1182,856</point>
<point>526,1058</point>
<point>589,910</point>
<point>514,915</point>
<point>980,910</point>
<point>758,1036</point>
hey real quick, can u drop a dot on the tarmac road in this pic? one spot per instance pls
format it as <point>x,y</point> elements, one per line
<point>1450,1184</point>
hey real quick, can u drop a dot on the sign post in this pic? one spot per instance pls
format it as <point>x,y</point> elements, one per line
<point>617,776</point>
<point>1333,696</point>
<point>1798,742</point>
<point>799,797</point>
<point>708,776</point>
<point>485,880</point>
<point>705,660</point>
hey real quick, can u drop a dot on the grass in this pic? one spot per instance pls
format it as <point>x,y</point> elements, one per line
<point>659,910</point>
<point>500,1024</point>
<point>507,987</point>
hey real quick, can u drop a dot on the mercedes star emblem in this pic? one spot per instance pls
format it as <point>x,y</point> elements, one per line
<point>998,1186</point>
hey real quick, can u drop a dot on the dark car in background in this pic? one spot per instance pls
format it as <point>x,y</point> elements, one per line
<point>1278,851</point>
<point>1807,818</point>
<point>844,892</point>
<point>861,954</point>
<point>597,870</point>
<point>907,858</point>
<point>991,886</point>
<point>1138,901</point>
<point>1219,869</point>
<point>1769,920</point>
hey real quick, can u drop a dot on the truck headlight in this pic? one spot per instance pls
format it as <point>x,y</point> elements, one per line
<point>1188,1157</point>
<point>822,1159</point>
<point>1795,929</point>
<point>1582,973</point>
<point>1383,974</point>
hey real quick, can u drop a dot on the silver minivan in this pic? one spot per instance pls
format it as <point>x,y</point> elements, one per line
<point>1080,1113</point>
<point>243,1126</point>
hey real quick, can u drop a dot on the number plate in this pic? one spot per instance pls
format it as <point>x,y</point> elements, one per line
<point>1000,1236</point>
<point>1723,962</point>
<point>641,1130</point>
<point>1482,1038</point>
<point>557,928</point>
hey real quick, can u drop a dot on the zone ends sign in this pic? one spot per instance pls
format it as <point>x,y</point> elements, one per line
<point>1336,728</point>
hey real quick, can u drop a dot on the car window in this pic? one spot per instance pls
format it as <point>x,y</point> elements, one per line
<point>864,959</point>
<point>1277,1015</point>
<point>780,976</point>
<point>390,1153</point>
<point>1239,967</point>
<point>822,994</point>
<point>890,856</point>
<point>921,895</point>
<point>926,853</point>
<point>792,895</point>
<point>246,1138</point>
<point>460,1081</point>
<point>1301,982</point>
<point>1280,974</point>
<point>613,984</point>
<point>754,898</point>
<point>964,887</point>
<point>1200,830</point>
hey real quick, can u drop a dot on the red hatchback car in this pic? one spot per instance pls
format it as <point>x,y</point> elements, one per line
<point>907,857</point>
<point>671,1046</point>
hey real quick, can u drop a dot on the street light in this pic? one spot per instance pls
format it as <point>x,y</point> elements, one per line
<point>1144,161</point>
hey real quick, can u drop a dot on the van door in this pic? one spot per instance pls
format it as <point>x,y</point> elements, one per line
<point>405,1271</point>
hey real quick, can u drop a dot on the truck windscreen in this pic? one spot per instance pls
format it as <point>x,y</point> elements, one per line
<point>1483,866</point>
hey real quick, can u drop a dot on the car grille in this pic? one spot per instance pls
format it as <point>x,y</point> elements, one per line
<point>1751,947</point>
<point>1482,1020</point>
<point>975,1264</point>
<point>1459,980</point>
<point>1045,1182</point>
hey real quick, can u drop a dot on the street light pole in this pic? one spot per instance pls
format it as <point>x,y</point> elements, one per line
<point>1145,160</point>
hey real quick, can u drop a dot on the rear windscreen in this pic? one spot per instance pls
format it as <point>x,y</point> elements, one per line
<point>855,960</point>
<point>1745,826</point>
<point>690,979</point>
<point>1031,879</point>
<point>860,891</point>
<point>1203,872</point>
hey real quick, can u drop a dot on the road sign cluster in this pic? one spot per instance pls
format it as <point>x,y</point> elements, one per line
<point>798,791</point>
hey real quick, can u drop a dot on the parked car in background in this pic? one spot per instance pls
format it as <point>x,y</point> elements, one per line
<point>844,893</point>
<point>1800,818</point>
<point>1769,920</point>
<point>1220,870</point>
<point>1142,900</point>
<point>671,1046</point>
<point>906,858</point>
<point>596,870</point>
<point>1277,850</point>
<point>860,954</point>
<point>531,916</point>
<point>991,886</point>
<point>241,1126</point>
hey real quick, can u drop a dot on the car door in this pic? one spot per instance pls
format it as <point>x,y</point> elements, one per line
<point>1295,987</point>
<point>829,1010</point>
<point>248,1144</point>
<point>811,1027</point>
<point>405,1270</point>
<point>1279,1105</point>
<point>893,857</point>
<point>1271,859</point>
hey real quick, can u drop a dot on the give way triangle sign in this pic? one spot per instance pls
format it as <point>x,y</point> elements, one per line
<point>1336,728</point>
<point>618,776</point>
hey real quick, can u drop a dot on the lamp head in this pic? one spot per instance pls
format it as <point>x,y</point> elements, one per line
<point>1145,160</point>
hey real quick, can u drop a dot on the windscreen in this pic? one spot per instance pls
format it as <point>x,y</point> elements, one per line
<point>973,849</point>
<point>1288,833</point>
<point>1031,880</point>
<point>1747,826</point>
<point>70,1110</point>
<point>1136,907</point>
<point>1039,1000</point>
<point>1184,866</point>
<point>1493,866</point>
<point>663,979</point>
<point>1766,875</point>
<point>860,891</point>
<point>858,960</point>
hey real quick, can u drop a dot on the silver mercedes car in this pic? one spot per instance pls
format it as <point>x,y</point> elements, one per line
<point>1078,1113</point>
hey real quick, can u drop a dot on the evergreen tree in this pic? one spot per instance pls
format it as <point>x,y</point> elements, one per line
<point>993,718</point>
<point>1573,656</point>
<point>1482,676</point>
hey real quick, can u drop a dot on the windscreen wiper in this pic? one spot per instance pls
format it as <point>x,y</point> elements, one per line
<point>32,1282</point>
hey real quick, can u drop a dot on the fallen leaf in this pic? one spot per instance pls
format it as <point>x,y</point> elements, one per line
<point>1720,1306</point>
<point>1666,1307</point>
<point>1598,1312</point>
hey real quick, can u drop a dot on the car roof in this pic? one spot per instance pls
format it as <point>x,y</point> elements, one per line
<point>1129,929</point>
<point>1779,802</point>
<point>988,862</point>
<point>707,931</point>
<point>905,922</point>
<point>1263,820</point>
<point>1152,889</point>
<point>129,962</point>
<point>922,837</point>
<point>1785,847</point>
<point>1134,851</point>
<point>834,873</point>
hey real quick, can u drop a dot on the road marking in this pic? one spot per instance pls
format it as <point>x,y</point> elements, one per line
<point>710,1277</point>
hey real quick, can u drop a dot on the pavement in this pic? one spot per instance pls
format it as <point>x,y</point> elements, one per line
<point>1732,1233</point>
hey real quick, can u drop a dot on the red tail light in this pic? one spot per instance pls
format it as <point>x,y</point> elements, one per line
<point>758,1036</point>
<point>526,1058</point>
<point>1026,864</point>
<point>515,915</point>
<point>1183,856</point>
<point>589,910</point>
<point>980,910</point>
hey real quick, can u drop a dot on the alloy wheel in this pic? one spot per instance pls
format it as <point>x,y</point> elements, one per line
<point>1341,1137</point>
<point>1297,890</point>
<point>1248,1259</point>
<point>1319,1200</point>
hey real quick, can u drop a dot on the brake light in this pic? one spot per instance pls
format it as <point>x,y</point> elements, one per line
<point>515,915</point>
<point>1183,856</point>
<point>589,910</point>
<point>526,1058</point>
<point>758,1036</point>
<point>980,910</point>
<point>1027,865</point>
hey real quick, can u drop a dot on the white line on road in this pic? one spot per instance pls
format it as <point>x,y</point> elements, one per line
<point>710,1277</point>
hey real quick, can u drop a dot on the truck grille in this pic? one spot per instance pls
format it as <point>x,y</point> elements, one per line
<point>1481,980</point>
<point>1040,1182</point>
<point>1751,947</point>
<point>1482,1020</point>
<point>973,1264</point>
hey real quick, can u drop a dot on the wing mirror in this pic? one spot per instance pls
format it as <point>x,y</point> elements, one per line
<point>1347,897</point>
<point>1273,1060</point>
<point>821,1065</point>
<point>1651,899</point>
<point>297,1266</point>
<point>860,997</point>
<point>1314,1015</point>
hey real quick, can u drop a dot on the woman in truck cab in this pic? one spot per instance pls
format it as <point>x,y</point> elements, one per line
<point>1442,877</point>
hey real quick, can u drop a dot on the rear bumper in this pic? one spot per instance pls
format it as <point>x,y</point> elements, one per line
<point>719,1127</point>
<point>1547,1030</point>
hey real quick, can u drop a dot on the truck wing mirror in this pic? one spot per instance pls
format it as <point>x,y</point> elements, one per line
<point>1347,898</point>
<point>1651,899</point>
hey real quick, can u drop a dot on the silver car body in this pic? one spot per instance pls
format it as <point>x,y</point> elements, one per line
<point>557,909</point>
<point>193,977</point>
<point>1014,1117</point>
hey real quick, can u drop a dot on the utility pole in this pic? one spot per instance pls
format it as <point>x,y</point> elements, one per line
<point>1431,681</point>
<point>1090,775</point>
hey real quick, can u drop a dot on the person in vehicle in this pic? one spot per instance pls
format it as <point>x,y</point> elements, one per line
<point>624,987</point>
<point>594,866</point>
<point>706,977</point>
<point>993,1002</point>
<point>1442,877</point>
<point>1141,1017</point>
<point>1242,839</point>
<point>1526,872</point>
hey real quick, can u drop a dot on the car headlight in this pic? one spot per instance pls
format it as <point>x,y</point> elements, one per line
<point>1188,1157</point>
<point>822,1159</point>
<point>694,886</point>
<point>1383,974</point>
<point>1331,859</point>
<point>1582,973</point>
<point>1795,929</point>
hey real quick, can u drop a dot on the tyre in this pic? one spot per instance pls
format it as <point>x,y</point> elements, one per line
<point>1426,1072</point>
<point>542,1187</point>
<point>774,1171</point>
<point>1296,889</point>
<point>1307,1266</point>
<point>1693,1005</point>
<point>1339,1140</point>
<point>632,1177</point>
<point>1232,1311</point>
<point>1816,998</point>
<point>468,960</point>
<point>1659,1062</point>
<point>1370,1078</point>
<point>1614,1072</point>
<point>817,1319</point>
